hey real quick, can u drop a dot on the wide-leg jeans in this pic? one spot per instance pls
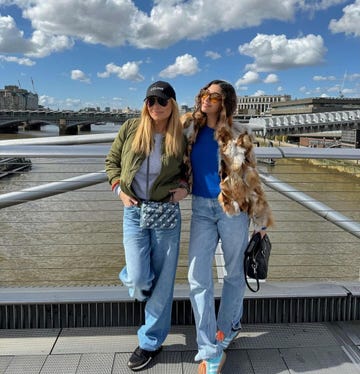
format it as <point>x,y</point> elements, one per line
<point>151,257</point>
<point>209,224</point>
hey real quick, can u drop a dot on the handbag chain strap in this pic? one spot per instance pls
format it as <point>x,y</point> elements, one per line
<point>147,177</point>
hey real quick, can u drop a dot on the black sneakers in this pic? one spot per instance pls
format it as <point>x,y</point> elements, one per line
<point>141,358</point>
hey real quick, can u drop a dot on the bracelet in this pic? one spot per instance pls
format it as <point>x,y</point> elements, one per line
<point>117,190</point>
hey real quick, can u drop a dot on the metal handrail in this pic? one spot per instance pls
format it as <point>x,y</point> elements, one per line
<point>31,150</point>
<point>315,206</point>
<point>51,189</point>
<point>77,147</point>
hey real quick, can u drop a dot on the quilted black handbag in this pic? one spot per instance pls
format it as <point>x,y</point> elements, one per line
<point>256,259</point>
<point>158,215</point>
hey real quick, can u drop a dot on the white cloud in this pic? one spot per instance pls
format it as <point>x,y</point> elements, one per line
<point>39,45</point>
<point>229,52</point>
<point>44,44</point>
<point>349,23</point>
<point>11,38</point>
<point>56,24</point>
<point>129,71</point>
<point>46,101</point>
<point>184,65</point>
<point>323,78</point>
<point>259,93</point>
<point>18,60</point>
<point>72,103</point>
<point>352,77</point>
<point>335,88</point>
<point>319,4</point>
<point>276,52</point>
<point>248,78</point>
<point>195,19</point>
<point>213,55</point>
<point>271,78</point>
<point>78,75</point>
<point>93,21</point>
<point>349,91</point>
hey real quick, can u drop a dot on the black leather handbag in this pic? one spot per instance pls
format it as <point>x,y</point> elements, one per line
<point>256,259</point>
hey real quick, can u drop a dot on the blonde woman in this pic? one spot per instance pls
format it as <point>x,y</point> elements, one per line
<point>145,163</point>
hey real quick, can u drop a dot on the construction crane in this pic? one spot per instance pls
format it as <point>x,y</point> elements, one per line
<point>33,86</point>
<point>341,94</point>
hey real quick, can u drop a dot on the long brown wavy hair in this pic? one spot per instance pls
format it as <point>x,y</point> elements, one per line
<point>228,105</point>
<point>144,137</point>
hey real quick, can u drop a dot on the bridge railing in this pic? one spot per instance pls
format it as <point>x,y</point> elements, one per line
<point>61,227</point>
<point>304,123</point>
<point>69,122</point>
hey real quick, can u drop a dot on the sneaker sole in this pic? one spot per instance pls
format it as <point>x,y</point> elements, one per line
<point>141,366</point>
<point>137,368</point>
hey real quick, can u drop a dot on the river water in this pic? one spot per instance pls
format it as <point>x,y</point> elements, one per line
<point>75,238</point>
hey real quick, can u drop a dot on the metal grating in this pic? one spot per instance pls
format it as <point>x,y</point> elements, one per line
<point>129,313</point>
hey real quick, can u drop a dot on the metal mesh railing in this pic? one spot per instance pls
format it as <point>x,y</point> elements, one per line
<point>54,233</point>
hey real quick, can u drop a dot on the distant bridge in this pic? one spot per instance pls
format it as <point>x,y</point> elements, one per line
<point>69,122</point>
<point>306,123</point>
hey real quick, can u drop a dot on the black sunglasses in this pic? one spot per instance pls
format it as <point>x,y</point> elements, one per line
<point>150,101</point>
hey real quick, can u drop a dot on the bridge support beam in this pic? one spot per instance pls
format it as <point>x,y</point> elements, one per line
<point>66,129</point>
<point>85,128</point>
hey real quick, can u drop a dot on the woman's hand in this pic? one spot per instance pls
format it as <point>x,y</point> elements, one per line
<point>178,194</point>
<point>127,200</point>
<point>262,232</point>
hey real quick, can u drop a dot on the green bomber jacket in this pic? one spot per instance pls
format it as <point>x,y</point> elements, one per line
<point>122,163</point>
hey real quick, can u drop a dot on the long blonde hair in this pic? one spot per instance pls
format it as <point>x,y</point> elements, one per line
<point>144,137</point>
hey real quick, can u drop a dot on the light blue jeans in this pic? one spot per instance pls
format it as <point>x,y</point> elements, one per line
<point>151,257</point>
<point>209,224</point>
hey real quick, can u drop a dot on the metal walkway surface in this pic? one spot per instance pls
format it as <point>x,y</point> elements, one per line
<point>324,348</point>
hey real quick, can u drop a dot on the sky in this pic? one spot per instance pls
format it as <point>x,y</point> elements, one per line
<point>105,53</point>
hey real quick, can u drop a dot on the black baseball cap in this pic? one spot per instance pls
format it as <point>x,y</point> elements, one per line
<point>161,89</point>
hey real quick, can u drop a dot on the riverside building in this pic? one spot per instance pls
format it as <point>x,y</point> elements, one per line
<point>258,105</point>
<point>314,105</point>
<point>15,98</point>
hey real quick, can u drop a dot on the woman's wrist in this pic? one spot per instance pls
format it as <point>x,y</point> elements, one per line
<point>186,190</point>
<point>258,228</point>
<point>184,186</point>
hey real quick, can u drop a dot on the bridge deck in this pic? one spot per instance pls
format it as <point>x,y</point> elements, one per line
<point>259,349</point>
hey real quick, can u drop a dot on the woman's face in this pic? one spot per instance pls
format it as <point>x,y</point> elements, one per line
<point>159,109</point>
<point>211,99</point>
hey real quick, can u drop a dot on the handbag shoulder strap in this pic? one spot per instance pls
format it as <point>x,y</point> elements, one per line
<point>246,279</point>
